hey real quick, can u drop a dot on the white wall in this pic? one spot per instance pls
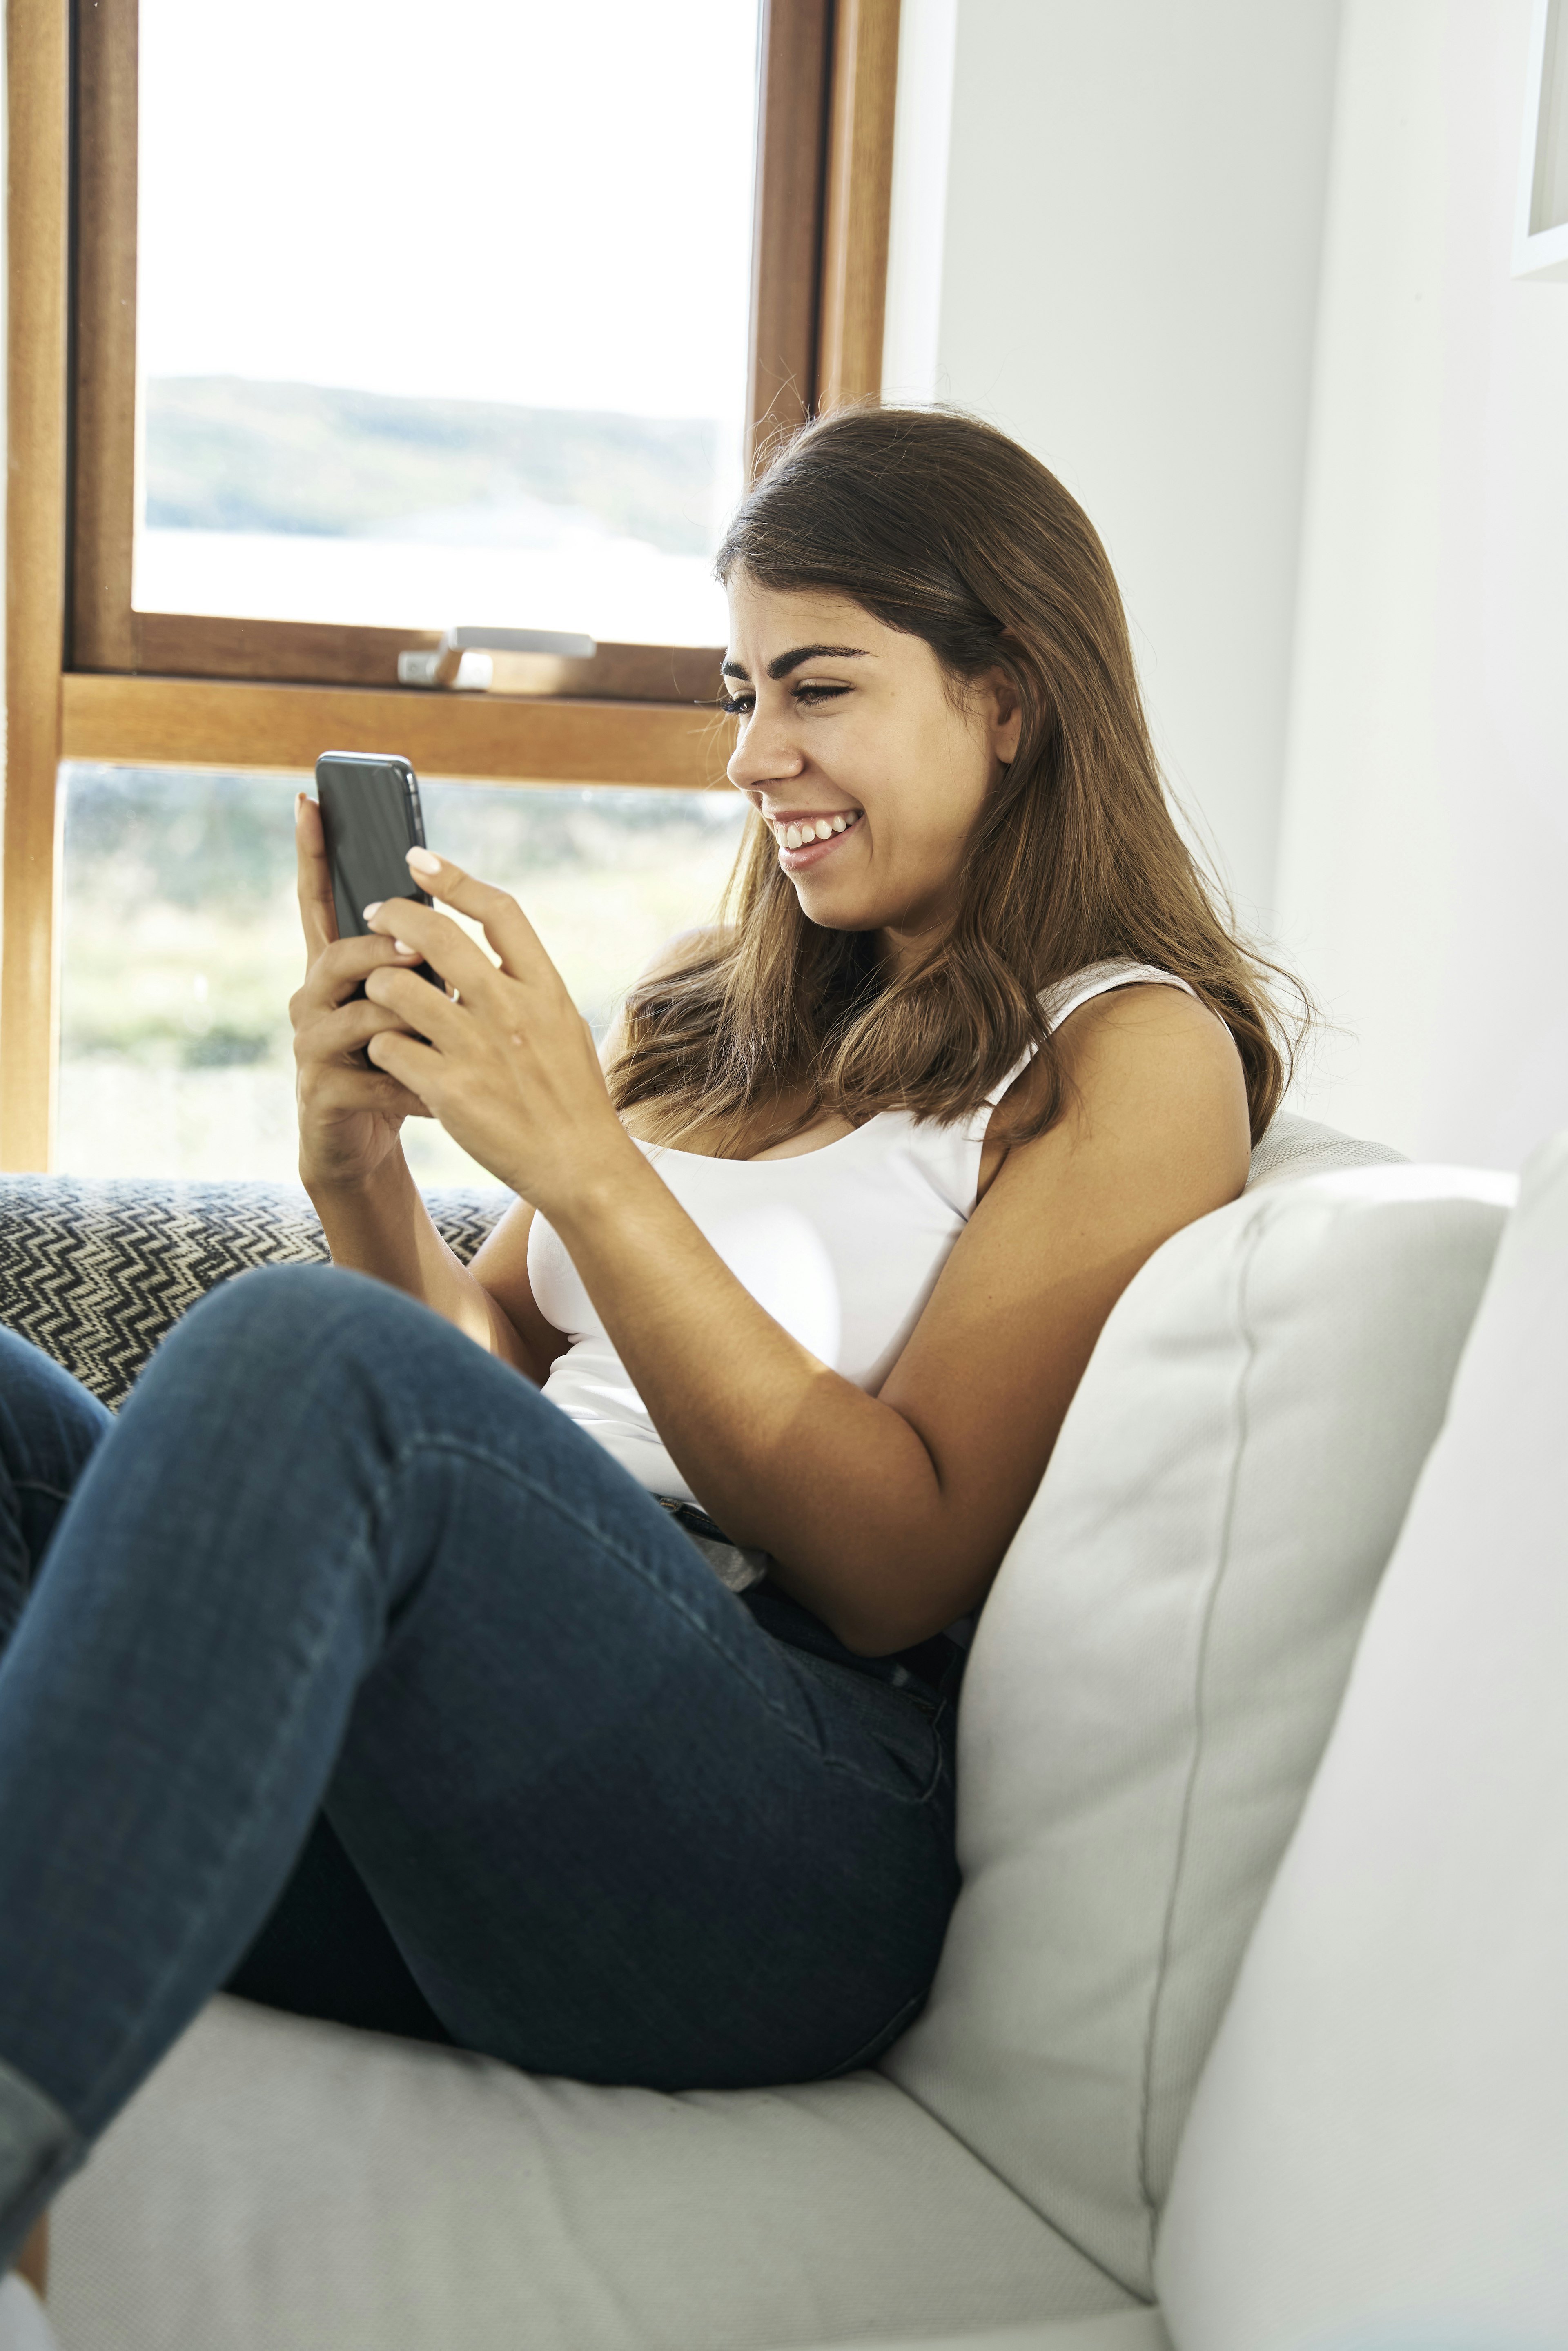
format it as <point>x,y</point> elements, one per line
<point>1122,270</point>
<point>1424,872</point>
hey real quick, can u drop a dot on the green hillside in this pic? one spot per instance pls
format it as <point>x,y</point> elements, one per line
<point>224,453</point>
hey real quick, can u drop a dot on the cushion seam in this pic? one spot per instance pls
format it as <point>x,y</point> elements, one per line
<point>1136,2300</point>
<point>1241,1430</point>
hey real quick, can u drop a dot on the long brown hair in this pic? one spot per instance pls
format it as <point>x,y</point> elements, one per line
<point>937,524</point>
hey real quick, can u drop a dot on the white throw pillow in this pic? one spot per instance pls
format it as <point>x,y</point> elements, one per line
<point>1378,2151</point>
<point>1158,1665</point>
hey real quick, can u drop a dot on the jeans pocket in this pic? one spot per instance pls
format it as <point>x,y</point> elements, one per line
<point>885,1732</point>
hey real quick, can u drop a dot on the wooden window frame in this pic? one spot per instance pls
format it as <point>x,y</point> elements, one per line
<point>87,677</point>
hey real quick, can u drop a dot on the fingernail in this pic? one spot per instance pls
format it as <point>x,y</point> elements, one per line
<point>404,949</point>
<point>422,861</point>
<point>373,909</point>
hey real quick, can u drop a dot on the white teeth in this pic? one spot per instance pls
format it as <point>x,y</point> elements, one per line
<point>821,827</point>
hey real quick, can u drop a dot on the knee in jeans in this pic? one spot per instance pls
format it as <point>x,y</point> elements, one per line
<point>279,1318</point>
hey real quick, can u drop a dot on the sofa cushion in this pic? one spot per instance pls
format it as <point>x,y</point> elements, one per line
<point>1157,1668</point>
<point>279,2184</point>
<point>1378,2151</point>
<point>1125,2330</point>
<point>96,1271</point>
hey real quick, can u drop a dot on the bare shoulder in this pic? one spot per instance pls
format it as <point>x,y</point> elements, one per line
<point>1156,1102</point>
<point>1153,1019</point>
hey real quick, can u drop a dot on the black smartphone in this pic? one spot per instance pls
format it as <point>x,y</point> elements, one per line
<point>371,818</point>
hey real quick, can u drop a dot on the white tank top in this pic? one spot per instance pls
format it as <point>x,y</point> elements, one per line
<point>842,1245</point>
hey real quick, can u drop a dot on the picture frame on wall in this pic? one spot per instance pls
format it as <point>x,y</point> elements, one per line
<point>1540,227</point>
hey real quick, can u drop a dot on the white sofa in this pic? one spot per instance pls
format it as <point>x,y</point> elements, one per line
<point>1377,2154</point>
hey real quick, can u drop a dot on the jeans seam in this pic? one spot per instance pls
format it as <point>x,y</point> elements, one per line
<point>465,1449</point>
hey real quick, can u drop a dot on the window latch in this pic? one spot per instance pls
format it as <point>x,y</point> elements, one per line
<point>460,658</point>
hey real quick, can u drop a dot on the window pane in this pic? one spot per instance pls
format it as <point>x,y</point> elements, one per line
<point>443,319</point>
<point>182,945</point>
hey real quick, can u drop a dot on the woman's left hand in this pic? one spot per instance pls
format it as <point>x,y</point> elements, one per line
<point>508,1065</point>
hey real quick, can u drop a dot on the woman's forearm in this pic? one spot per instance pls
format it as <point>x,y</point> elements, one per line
<point>784,1452</point>
<point>380,1225</point>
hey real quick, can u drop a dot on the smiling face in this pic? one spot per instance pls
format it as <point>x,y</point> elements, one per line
<point>866,765</point>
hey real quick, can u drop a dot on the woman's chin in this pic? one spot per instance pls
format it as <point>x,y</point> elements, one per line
<point>835,909</point>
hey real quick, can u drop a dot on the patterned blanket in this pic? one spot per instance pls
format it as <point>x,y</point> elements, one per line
<point>94,1272</point>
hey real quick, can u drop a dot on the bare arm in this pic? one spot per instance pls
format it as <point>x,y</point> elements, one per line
<point>888,1515</point>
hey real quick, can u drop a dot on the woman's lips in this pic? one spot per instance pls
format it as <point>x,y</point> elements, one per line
<point>806,840</point>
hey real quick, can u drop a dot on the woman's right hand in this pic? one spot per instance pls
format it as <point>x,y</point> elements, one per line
<point>350,1114</point>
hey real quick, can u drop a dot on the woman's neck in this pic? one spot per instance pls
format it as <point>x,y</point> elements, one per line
<point>903,947</point>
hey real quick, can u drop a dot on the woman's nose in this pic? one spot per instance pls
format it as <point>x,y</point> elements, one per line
<point>768,752</point>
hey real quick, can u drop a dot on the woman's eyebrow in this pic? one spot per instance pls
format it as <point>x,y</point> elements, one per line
<point>781,666</point>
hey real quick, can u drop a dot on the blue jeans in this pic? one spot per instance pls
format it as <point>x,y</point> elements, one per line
<point>332,1562</point>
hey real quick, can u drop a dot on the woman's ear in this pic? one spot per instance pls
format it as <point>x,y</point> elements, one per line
<point>1004,713</point>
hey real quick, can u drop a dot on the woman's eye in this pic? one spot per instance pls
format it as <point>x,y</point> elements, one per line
<point>741,705</point>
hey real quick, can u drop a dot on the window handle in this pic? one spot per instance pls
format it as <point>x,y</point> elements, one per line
<point>441,666</point>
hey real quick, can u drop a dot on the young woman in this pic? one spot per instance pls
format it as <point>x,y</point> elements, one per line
<point>416,1573</point>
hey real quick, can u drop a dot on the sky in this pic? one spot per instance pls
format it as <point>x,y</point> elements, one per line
<point>548,205</point>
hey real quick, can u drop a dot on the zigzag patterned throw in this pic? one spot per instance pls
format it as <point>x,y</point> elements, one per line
<point>94,1272</point>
